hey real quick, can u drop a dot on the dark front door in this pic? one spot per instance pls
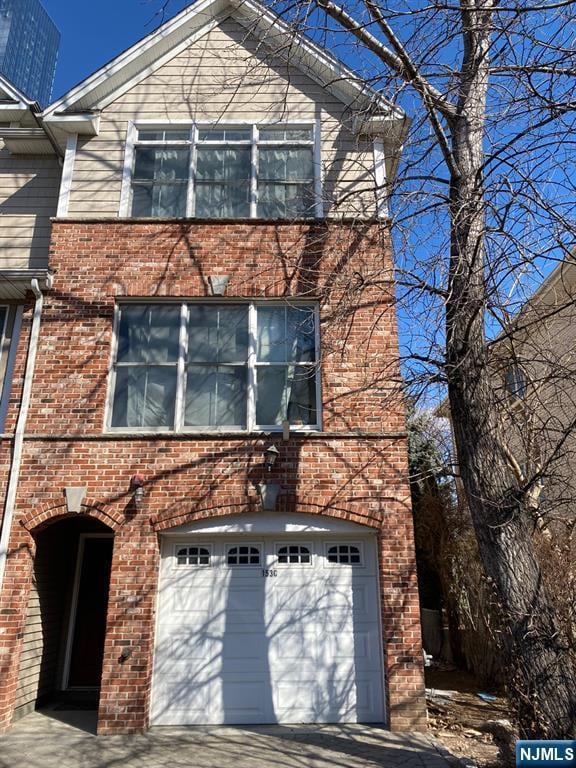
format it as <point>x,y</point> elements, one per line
<point>89,628</point>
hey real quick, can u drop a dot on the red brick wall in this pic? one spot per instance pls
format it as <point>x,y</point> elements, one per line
<point>355,469</point>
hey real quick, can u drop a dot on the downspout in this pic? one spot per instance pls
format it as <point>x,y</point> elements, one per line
<point>14,475</point>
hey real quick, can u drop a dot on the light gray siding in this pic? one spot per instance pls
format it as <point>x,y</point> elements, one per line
<point>226,75</point>
<point>29,187</point>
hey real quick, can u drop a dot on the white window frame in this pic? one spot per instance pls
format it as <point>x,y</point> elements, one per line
<point>251,426</point>
<point>348,543</point>
<point>281,544</point>
<point>132,142</point>
<point>10,334</point>
<point>187,545</point>
<point>244,566</point>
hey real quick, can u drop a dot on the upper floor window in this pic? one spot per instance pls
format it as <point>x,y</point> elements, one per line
<point>222,172</point>
<point>209,366</point>
<point>515,381</point>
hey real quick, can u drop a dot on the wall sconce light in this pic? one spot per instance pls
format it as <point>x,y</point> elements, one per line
<point>270,456</point>
<point>137,488</point>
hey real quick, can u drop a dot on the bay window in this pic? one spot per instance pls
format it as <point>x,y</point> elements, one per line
<point>222,172</point>
<point>204,366</point>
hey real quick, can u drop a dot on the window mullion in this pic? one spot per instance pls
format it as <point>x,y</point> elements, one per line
<point>252,348</point>
<point>181,370</point>
<point>254,174</point>
<point>191,196</point>
<point>317,166</point>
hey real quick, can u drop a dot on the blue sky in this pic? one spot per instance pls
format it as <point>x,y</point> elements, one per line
<point>94,32</point>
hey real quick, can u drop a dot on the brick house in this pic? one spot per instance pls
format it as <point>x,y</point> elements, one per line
<point>207,514</point>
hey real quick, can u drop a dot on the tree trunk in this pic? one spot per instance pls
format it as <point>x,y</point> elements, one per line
<point>544,665</point>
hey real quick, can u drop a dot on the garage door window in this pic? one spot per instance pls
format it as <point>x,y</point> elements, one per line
<point>344,554</point>
<point>193,556</point>
<point>293,553</point>
<point>243,556</point>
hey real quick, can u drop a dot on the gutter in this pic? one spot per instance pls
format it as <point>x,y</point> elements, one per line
<point>14,475</point>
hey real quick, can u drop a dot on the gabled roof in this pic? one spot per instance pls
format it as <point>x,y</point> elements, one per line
<point>79,105</point>
<point>13,102</point>
<point>28,137</point>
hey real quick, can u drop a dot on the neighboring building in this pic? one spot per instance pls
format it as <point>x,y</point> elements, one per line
<point>223,296</point>
<point>535,369</point>
<point>29,42</point>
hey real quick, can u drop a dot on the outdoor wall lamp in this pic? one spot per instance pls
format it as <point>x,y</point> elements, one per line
<point>137,488</point>
<point>270,456</point>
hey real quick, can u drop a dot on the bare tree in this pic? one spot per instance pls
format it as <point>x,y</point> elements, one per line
<point>493,88</point>
<point>484,203</point>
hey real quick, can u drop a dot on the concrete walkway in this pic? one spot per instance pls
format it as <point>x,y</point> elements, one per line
<point>56,739</point>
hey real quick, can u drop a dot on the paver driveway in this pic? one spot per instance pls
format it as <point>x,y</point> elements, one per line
<point>44,741</point>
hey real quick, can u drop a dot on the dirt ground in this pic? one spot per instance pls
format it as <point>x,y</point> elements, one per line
<point>468,725</point>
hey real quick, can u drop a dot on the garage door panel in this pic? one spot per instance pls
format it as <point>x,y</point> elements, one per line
<point>289,645</point>
<point>180,701</point>
<point>240,620</point>
<point>244,699</point>
<point>183,646</point>
<point>190,600</point>
<point>298,644</point>
<point>296,699</point>
<point>251,647</point>
<point>359,645</point>
<point>292,598</point>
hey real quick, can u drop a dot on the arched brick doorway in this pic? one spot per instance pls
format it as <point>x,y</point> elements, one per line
<point>63,639</point>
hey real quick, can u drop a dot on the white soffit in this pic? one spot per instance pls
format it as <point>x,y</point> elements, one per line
<point>15,283</point>
<point>11,111</point>
<point>13,103</point>
<point>270,523</point>
<point>26,141</point>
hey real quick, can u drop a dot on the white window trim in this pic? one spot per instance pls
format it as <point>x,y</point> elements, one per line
<point>259,545</point>
<point>187,545</point>
<point>6,383</point>
<point>132,142</point>
<point>280,544</point>
<point>380,179</point>
<point>179,427</point>
<point>349,543</point>
<point>125,193</point>
<point>67,173</point>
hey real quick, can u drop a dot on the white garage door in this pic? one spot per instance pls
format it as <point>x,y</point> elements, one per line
<point>268,629</point>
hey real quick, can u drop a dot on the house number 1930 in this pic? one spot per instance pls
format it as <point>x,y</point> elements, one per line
<point>267,573</point>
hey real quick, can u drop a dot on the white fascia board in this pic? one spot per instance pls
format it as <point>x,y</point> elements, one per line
<point>12,112</point>
<point>82,124</point>
<point>26,141</point>
<point>11,92</point>
<point>149,70</point>
<point>325,69</point>
<point>14,283</point>
<point>193,22</point>
<point>197,15</point>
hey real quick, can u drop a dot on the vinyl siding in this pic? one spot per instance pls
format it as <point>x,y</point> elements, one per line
<point>225,75</point>
<point>28,198</point>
